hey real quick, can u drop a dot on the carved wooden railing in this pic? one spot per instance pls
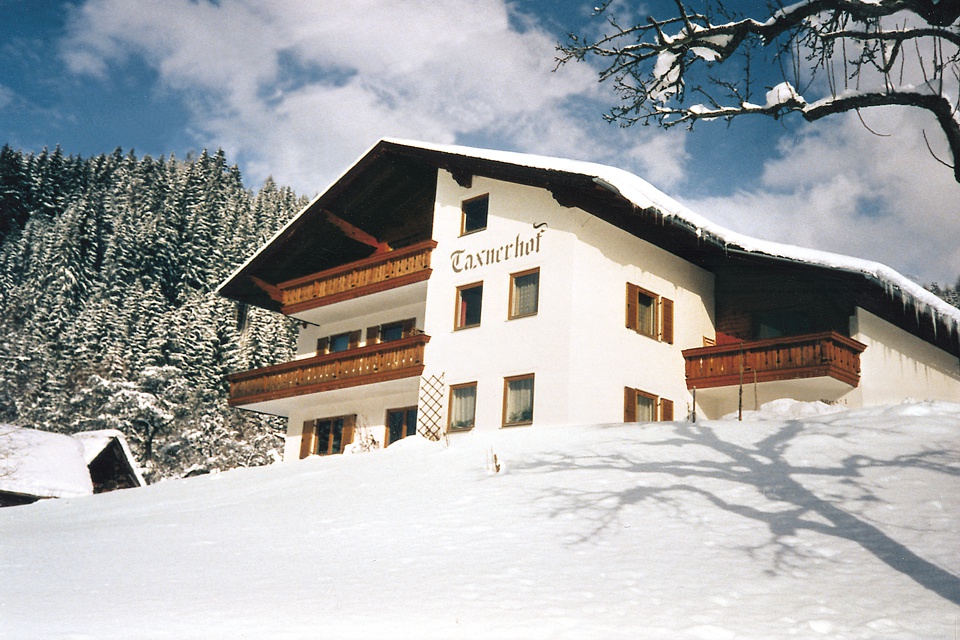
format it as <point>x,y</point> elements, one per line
<point>366,365</point>
<point>378,272</point>
<point>808,356</point>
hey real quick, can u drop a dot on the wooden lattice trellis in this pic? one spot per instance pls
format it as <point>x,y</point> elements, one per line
<point>430,407</point>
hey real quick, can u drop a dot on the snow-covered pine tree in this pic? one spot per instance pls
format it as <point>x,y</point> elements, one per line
<point>107,311</point>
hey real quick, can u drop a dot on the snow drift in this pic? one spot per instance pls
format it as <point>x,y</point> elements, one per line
<point>797,523</point>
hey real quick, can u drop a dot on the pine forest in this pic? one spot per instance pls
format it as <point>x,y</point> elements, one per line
<point>108,312</point>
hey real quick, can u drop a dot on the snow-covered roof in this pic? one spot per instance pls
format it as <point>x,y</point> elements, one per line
<point>42,464</point>
<point>94,442</point>
<point>645,196</point>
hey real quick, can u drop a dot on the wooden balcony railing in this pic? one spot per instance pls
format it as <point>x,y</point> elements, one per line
<point>353,367</point>
<point>808,356</point>
<point>376,273</point>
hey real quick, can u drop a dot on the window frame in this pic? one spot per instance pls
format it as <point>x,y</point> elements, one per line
<point>310,437</point>
<point>504,423</point>
<point>662,310</point>
<point>511,315</point>
<point>459,313</point>
<point>409,429</point>
<point>473,423</point>
<point>463,214</point>
<point>662,407</point>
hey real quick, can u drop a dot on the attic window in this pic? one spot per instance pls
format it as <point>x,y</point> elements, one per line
<point>474,215</point>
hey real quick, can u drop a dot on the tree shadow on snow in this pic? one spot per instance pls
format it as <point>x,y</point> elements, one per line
<point>789,506</point>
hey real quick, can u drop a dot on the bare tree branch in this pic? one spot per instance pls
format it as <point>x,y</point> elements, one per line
<point>651,64</point>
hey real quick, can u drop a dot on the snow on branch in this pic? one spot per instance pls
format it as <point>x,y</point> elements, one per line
<point>844,55</point>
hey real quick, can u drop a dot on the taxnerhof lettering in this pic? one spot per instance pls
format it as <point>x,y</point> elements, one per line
<point>460,260</point>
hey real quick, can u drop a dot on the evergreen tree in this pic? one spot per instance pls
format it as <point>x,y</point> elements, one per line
<point>108,316</point>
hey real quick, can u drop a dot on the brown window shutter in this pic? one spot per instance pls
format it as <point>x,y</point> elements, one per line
<point>632,292</point>
<point>308,438</point>
<point>355,339</point>
<point>409,326</point>
<point>349,427</point>
<point>629,404</point>
<point>666,410</point>
<point>373,335</point>
<point>323,344</point>
<point>666,332</point>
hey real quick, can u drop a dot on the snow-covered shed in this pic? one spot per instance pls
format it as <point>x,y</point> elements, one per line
<point>38,464</point>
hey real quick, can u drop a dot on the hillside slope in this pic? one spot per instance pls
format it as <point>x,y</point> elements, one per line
<point>795,523</point>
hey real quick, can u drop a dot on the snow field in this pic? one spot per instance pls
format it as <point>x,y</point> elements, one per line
<point>788,525</point>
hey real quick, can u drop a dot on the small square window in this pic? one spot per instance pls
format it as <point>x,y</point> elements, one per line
<point>390,332</point>
<point>401,423</point>
<point>646,408</point>
<point>469,302</point>
<point>463,406</point>
<point>339,343</point>
<point>517,400</point>
<point>524,293</point>
<point>640,406</point>
<point>474,217</point>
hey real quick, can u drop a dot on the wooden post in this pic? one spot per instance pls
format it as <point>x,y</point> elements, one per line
<point>740,394</point>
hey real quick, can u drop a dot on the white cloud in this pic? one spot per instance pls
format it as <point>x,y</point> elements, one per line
<point>840,188</point>
<point>300,90</point>
<point>6,96</point>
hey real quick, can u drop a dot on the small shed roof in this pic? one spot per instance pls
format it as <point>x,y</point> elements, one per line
<point>42,464</point>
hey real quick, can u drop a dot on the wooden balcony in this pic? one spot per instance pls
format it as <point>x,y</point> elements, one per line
<point>808,356</point>
<point>353,367</point>
<point>376,273</point>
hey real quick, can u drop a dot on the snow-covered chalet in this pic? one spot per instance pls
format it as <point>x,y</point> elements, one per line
<point>442,289</point>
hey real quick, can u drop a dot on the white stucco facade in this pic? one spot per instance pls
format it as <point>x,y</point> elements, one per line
<point>897,366</point>
<point>577,345</point>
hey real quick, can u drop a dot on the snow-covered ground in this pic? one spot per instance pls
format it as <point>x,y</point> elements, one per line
<point>797,523</point>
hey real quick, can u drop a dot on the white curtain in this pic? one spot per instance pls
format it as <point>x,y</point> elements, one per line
<point>525,289</point>
<point>646,409</point>
<point>463,407</point>
<point>520,400</point>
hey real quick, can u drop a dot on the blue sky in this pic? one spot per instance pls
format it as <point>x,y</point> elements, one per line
<point>299,89</point>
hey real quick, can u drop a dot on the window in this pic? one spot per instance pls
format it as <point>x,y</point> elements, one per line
<point>649,314</point>
<point>339,342</point>
<point>400,424</point>
<point>392,331</point>
<point>469,301</point>
<point>474,215</point>
<point>518,400</point>
<point>524,293</point>
<point>327,436</point>
<point>639,406</point>
<point>463,406</point>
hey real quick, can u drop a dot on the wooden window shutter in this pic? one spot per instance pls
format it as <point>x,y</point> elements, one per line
<point>373,335</point>
<point>355,339</point>
<point>308,439</point>
<point>349,426</point>
<point>666,326</point>
<point>632,292</point>
<point>629,404</point>
<point>323,344</point>
<point>666,410</point>
<point>409,326</point>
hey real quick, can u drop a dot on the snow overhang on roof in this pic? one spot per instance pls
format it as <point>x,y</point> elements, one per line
<point>94,442</point>
<point>682,231</point>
